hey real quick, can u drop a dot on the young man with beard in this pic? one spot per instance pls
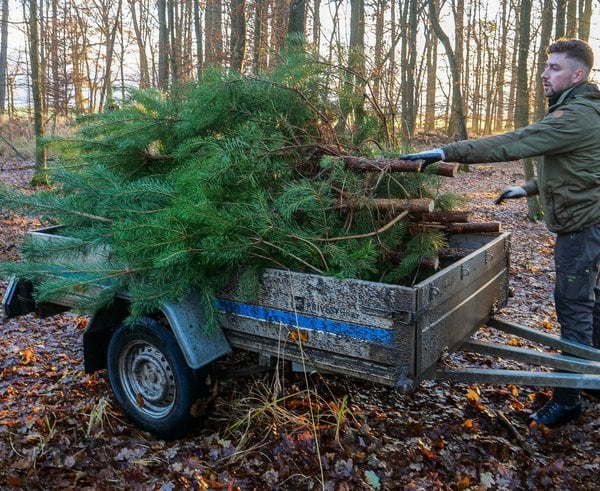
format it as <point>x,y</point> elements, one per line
<point>567,144</point>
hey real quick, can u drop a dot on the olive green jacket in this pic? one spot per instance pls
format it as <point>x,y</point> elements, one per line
<point>567,142</point>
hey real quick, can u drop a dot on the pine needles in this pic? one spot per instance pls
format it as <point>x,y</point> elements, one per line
<point>184,191</point>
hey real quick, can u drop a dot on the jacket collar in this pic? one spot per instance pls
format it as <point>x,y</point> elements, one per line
<point>583,87</point>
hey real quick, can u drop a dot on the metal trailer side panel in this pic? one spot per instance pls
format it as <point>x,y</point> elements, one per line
<point>349,321</point>
<point>389,333</point>
<point>459,300</point>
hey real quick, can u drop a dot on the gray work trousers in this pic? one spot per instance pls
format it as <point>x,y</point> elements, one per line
<point>577,292</point>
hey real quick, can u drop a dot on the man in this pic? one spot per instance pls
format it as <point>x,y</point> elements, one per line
<point>567,144</point>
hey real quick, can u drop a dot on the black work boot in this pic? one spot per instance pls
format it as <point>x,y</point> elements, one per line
<point>555,413</point>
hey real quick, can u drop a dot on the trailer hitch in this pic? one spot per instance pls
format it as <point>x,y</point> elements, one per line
<point>577,366</point>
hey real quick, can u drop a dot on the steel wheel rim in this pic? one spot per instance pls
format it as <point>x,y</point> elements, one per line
<point>147,378</point>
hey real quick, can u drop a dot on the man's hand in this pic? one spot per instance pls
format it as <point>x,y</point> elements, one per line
<point>511,192</point>
<point>429,156</point>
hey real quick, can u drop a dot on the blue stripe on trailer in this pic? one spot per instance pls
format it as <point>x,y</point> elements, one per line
<point>292,319</point>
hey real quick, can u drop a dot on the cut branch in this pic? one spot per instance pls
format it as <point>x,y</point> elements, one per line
<point>455,253</point>
<point>381,230</point>
<point>445,216</point>
<point>362,164</point>
<point>410,205</point>
<point>428,262</point>
<point>465,228</point>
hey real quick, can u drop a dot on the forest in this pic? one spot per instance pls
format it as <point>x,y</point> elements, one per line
<point>427,64</point>
<point>185,146</point>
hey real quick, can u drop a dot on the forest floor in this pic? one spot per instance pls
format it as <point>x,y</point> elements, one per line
<point>62,429</point>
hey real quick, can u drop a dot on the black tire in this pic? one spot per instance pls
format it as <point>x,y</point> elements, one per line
<point>152,381</point>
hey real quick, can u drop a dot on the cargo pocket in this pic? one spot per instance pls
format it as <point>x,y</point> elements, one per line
<point>575,283</point>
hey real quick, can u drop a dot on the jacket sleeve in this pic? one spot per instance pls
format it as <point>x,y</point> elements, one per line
<point>558,132</point>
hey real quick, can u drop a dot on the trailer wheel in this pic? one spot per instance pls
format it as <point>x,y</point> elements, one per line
<point>151,380</point>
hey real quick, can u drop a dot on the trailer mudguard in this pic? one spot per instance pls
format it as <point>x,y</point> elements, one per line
<point>187,320</point>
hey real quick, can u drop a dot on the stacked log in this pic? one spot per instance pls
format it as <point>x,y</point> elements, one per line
<point>421,212</point>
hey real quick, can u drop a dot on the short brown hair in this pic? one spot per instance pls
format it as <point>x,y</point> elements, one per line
<point>574,48</point>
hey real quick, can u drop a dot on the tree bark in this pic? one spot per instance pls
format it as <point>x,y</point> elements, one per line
<point>144,81</point>
<point>40,175</point>
<point>199,43</point>
<point>213,32</point>
<point>407,65</point>
<point>540,104</point>
<point>450,216</point>
<point>3,55</point>
<point>163,43</point>
<point>316,27</point>
<point>585,19</point>
<point>259,62</point>
<point>392,205</point>
<point>560,26</point>
<point>352,98</point>
<point>362,164</point>
<point>571,28</point>
<point>431,54</point>
<point>297,20</point>
<point>522,99</point>
<point>238,35</point>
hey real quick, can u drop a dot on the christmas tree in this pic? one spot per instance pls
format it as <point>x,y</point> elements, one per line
<point>179,191</point>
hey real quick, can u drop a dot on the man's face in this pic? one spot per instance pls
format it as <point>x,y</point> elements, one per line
<point>560,73</point>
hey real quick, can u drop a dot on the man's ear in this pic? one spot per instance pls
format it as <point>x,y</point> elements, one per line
<point>580,74</point>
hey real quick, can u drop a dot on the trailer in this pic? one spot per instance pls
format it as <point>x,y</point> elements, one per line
<point>160,369</point>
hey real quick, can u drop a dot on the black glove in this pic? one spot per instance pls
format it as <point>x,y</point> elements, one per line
<point>428,156</point>
<point>511,192</point>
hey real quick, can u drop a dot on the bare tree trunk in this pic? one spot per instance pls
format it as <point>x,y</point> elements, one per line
<point>174,36</point>
<point>40,176</point>
<point>540,100</point>
<point>213,32</point>
<point>3,55</point>
<point>585,19</point>
<point>502,57</point>
<point>163,43</point>
<point>110,34</point>
<point>238,35</point>
<point>561,12</point>
<point>571,30</point>
<point>199,43</point>
<point>380,9</point>
<point>279,23</point>
<point>297,19</point>
<point>457,99</point>
<point>522,102</point>
<point>431,54</point>
<point>259,62</point>
<point>356,63</point>
<point>478,70</point>
<point>407,65</point>
<point>139,39</point>
<point>316,27</point>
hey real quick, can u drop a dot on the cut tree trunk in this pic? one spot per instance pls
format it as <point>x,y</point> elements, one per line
<point>362,164</point>
<point>393,205</point>
<point>465,228</point>
<point>445,216</point>
<point>430,263</point>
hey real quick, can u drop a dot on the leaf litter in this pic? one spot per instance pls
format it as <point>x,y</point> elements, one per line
<point>61,428</point>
